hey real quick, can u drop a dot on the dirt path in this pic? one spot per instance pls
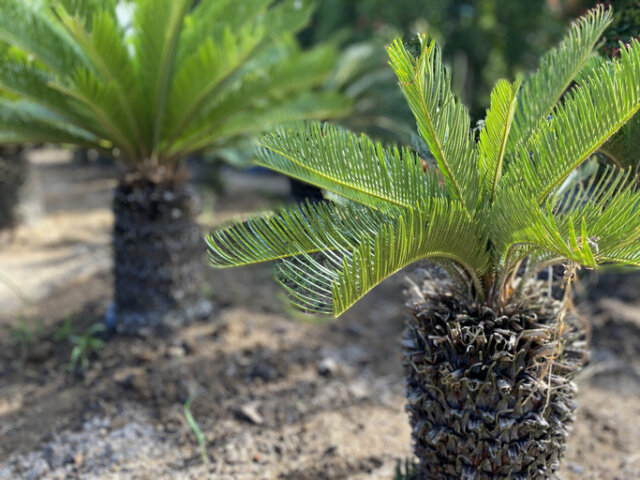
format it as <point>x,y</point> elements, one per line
<point>275,397</point>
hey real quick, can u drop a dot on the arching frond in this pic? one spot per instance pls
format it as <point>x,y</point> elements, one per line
<point>610,207</point>
<point>293,71</point>
<point>493,137</point>
<point>558,68</point>
<point>158,24</point>
<point>289,232</point>
<point>590,115</point>
<point>520,222</point>
<point>22,121</point>
<point>592,224</point>
<point>269,115</point>
<point>437,229</point>
<point>30,27</point>
<point>442,120</point>
<point>21,77</point>
<point>351,166</point>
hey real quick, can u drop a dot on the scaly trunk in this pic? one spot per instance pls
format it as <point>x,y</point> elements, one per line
<point>13,175</point>
<point>158,249</point>
<point>489,395</point>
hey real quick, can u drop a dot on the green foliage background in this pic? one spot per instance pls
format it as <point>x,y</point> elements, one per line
<point>482,40</point>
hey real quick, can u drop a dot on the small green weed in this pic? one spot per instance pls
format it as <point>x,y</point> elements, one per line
<point>202,441</point>
<point>65,331</point>
<point>85,345</point>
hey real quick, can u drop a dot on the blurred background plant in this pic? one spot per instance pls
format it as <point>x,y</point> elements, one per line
<point>150,83</point>
<point>482,40</point>
<point>624,148</point>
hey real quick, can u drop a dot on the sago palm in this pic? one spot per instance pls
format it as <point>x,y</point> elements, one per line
<point>489,356</point>
<point>156,80</point>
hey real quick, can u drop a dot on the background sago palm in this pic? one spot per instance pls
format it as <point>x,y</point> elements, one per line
<point>13,174</point>
<point>489,355</point>
<point>152,81</point>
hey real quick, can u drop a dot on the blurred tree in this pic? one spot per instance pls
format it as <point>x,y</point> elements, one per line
<point>482,40</point>
<point>625,26</point>
<point>151,82</point>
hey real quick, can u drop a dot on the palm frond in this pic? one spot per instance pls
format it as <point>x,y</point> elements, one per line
<point>610,207</point>
<point>593,223</point>
<point>29,26</point>
<point>279,80</point>
<point>22,121</point>
<point>353,167</point>
<point>203,23</point>
<point>437,229</point>
<point>494,135</point>
<point>590,115</point>
<point>104,111</point>
<point>270,114</point>
<point>521,227</point>
<point>21,76</point>
<point>558,68</point>
<point>442,120</point>
<point>202,73</point>
<point>158,24</point>
<point>102,42</point>
<point>289,232</point>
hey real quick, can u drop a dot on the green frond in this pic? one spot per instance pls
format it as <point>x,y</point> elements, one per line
<point>515,196</point>
<point>22,121</point>
<point>204,23</point>
<point>102,42</point>
<point>437,229</point>
<point>494,135</point>
<point>519,222</point>
<point>610,207</point>
<point>29,26</point>
<point>593,223</point>
<point>202,73</point>
<point>85,9</point>
<point>306,228</point>
<point>158,24</point>
<point>558,68</point>
<point>160,79</point>
<point>351,166</point>
<point>21,76</point>
<point>442,120</point>
<point>278,81</point>
<point>589,116</point>
<point>268,115</point>
<point>104,114</point>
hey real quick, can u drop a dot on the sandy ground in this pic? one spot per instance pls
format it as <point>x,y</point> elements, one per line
<point>275,397</point>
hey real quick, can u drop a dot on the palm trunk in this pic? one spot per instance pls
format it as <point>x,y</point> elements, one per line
<point>158,249</point>
<point>13,175</point>
<point>489,395</point>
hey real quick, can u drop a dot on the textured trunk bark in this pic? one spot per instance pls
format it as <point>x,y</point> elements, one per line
<point>489,395</point>
<point>159,254</point>
<point>13,175</point>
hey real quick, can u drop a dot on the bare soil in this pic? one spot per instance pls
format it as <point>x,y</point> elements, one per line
<point>275,396</point>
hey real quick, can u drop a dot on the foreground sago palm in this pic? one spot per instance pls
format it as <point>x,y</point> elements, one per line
<point>489,355</point>
<point>156,80</point>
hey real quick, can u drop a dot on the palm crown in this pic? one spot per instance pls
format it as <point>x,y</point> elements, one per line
<point>156,79</point>
<point>480,208</point>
